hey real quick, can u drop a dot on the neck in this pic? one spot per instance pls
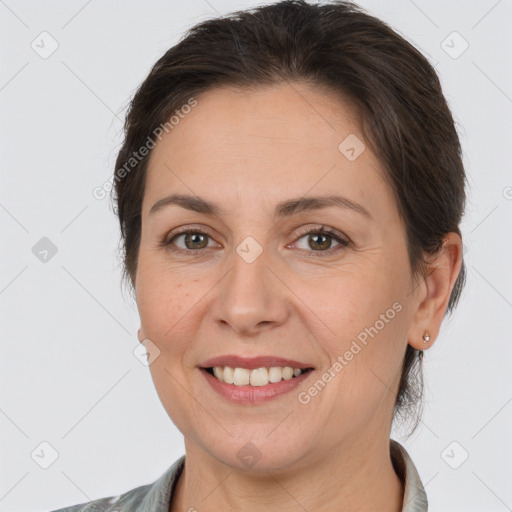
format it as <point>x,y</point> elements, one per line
<point>357,475</point>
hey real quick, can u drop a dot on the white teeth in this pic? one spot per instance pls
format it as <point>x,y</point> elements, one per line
<point>218,372</point>
<point>287,373</point>
<point>259,377</point>
<point>275,374</point>
<point>255,377</point>
<point>227,375</point>
<point>241,377</point>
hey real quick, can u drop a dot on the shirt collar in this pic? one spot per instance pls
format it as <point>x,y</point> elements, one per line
<point>415,498</point>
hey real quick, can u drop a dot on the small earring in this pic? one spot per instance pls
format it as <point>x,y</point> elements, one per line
<point>426,337</point>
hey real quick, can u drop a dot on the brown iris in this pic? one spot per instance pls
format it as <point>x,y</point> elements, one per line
<point>193,238</point>
<point>322,245</point>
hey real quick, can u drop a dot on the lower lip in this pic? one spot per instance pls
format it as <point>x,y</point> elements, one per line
<point>254,394</point>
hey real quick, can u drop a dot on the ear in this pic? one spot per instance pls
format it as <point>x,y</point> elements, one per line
<point>140,335</point>
<point>434,292</point>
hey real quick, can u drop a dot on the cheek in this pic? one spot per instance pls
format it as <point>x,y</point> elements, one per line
<point>365,358</point>
<point>364,322</point>
<point>169,311</point>
<point>165,301</point>
<point>351,299</point>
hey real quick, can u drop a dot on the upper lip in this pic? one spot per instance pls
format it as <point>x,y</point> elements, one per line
<point>251,363</point>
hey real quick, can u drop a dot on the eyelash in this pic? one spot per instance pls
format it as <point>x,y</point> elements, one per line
<point>167,242</point>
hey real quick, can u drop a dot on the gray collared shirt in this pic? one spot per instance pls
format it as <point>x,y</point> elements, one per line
<point>157,496</point>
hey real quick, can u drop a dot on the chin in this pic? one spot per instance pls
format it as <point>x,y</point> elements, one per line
<point>256,453</point>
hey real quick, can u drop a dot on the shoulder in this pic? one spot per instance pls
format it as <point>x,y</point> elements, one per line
<point>122,503</point>
<point>145,498</point>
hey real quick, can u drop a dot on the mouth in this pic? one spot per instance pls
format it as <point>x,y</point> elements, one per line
<point>253,380</point>
<point>255,386</point>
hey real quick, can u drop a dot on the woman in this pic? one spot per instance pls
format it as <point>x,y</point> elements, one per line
<point>289,191</point>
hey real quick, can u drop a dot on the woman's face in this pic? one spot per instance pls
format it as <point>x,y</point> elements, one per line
<point>254,283</point>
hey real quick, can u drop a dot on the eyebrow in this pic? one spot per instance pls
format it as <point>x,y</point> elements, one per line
<point>283,209</point>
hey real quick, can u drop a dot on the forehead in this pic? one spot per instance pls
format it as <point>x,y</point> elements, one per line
<point>264,142</point>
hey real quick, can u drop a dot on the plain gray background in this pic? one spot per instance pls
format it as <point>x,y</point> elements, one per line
<point>69,377</point>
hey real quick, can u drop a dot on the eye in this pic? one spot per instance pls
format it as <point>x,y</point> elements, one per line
<point>319,240</point>
<point>194,241</point>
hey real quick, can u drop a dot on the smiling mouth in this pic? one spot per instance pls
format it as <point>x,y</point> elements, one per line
<point>254,377</point>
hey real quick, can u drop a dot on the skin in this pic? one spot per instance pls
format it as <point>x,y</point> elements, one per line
<point>249,150</point>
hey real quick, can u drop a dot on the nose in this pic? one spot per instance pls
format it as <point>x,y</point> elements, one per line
<point>252,299</point>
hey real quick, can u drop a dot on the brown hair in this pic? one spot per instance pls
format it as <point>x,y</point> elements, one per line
<point>339,47</point>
